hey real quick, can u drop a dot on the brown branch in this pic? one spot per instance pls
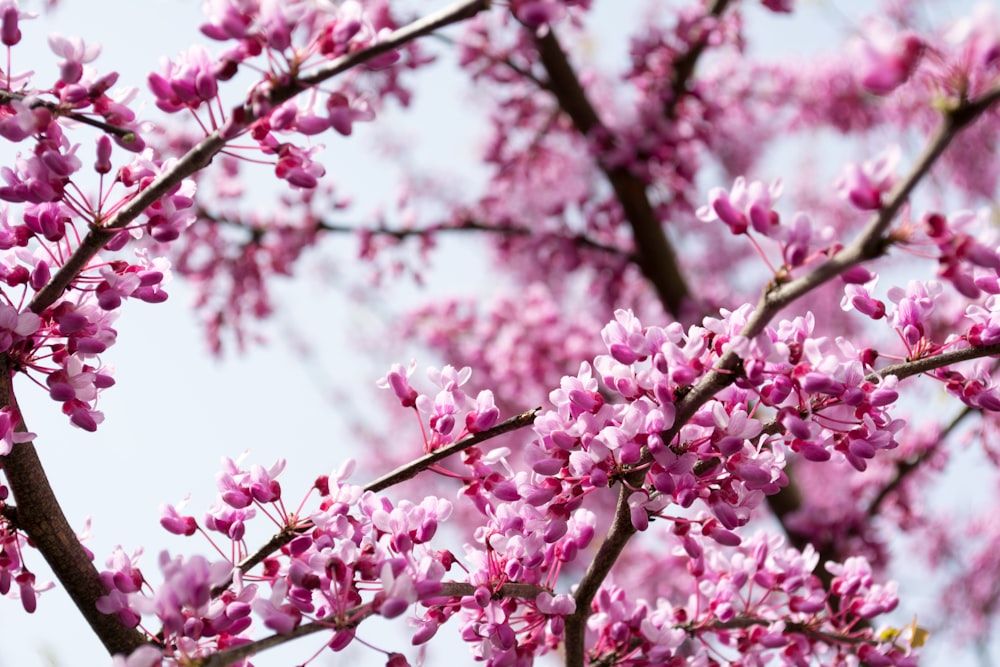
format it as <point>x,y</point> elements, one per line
<point>611,548</point>
<point>6,97</point>
<point>905,468</point>
<point>349,619</point>
<point>352,618</point>
<point>658,260</point>
<point>401,233</point>
<point>684,64</point>
<point>40,517</point>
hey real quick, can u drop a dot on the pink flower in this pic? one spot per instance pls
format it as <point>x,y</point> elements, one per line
<point>74,55</point>
<point>187,83</point>
<point>779,6</point>
<point>9,435</point>
<point>399,381</point>
<point>745,205</point>
<point>343,113</point>
<point>146,655</point>
<point>885,57</point>
<point>15,326</point>
<point>863,185</point>
<point>10,34</point>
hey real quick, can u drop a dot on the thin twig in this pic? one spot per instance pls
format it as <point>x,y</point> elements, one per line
<point>411,469</point>
<point>6,97</point>
<point>402,233</point>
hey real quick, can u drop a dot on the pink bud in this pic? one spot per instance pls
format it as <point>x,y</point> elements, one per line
<point>9,32</point>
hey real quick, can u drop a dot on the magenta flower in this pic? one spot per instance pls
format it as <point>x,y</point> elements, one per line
<point>863,185</point>
<point>343,113</point>
<point>173,521</point>
<point>188,83</point>
<point>746,204</point>
<point>10,14</point>
<point>9,435</point>
<point>859,298</point>
<point>15,326</point>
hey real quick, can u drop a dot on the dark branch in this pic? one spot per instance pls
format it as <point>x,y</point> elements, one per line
<point>40,517</point>
<point>402,233</point>
<point>906,468</point>
<point>6,97</point>
<point>657,258</point>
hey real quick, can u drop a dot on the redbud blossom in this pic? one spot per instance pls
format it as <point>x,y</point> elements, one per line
<point>885,58</point>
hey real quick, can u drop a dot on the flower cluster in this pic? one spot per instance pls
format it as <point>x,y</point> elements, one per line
<point>55,327</point>
<point>287,41</point>
<point>762,600</point>
<point>16,579</point>
<point>450,413</point>
<point>353,556</point>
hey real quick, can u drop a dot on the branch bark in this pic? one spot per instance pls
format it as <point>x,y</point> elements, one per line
<point>41,518</point>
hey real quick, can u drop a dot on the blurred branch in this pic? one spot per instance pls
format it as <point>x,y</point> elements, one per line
<point>400,233</point>
<point>905,468</point>
<point>607,554</point>
<point>657,258</point>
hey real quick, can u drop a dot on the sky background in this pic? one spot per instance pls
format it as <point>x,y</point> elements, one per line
<point>176,410</point>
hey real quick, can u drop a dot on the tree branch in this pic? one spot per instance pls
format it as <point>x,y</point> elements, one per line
<point>410,470</point>
<point>354,617</point>
<point>684,64</point>
<point>6,97</point>
<point>41,518</point>
<point>905,468</point>
<point>402,233</point>
<point>656,255</point>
